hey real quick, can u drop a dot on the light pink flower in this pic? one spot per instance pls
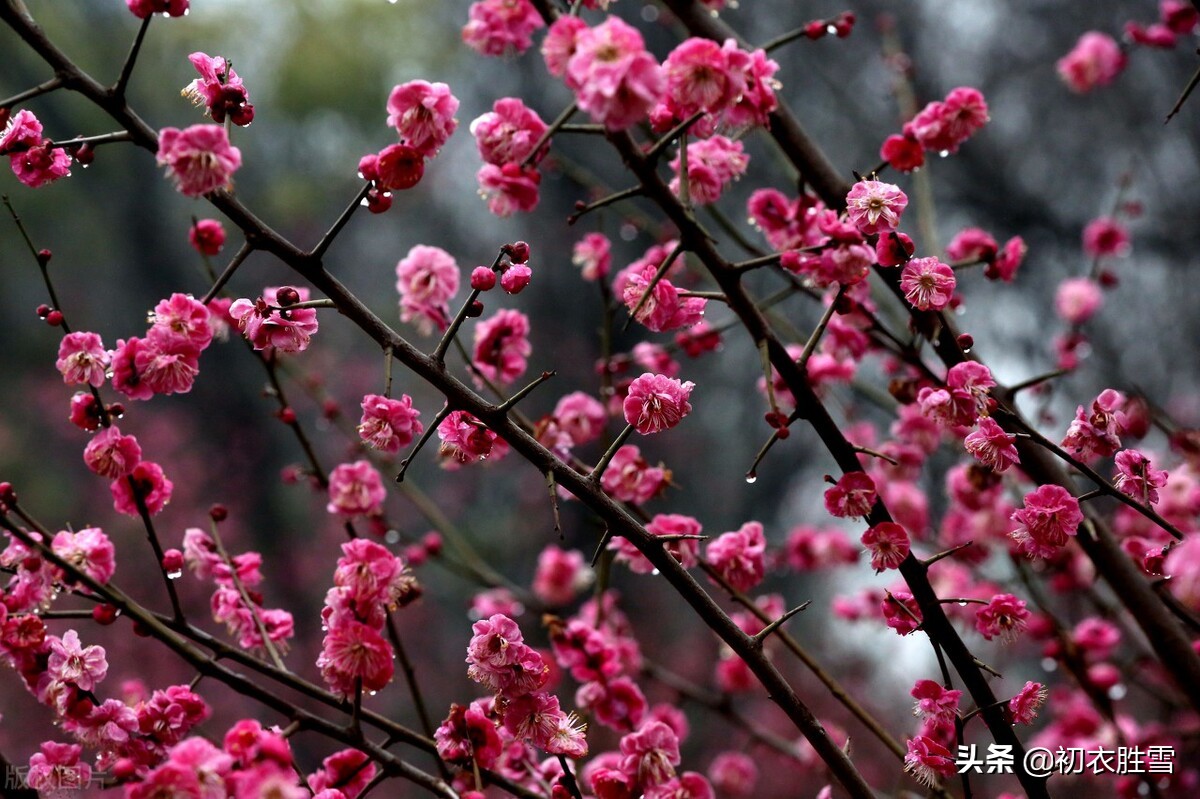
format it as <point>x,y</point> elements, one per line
<point>426,279</point>
<point>1077,299</point>
<point>508,132</point>
<point>89,550</point>
<point>112,455</point>
<point>149,483</point>
<point>1137,478</point>
<point>509,188</point>
<point>1003,617</point>
<point>1182,564</point>
<point>853,495</point>
<point>373,578</point>
<point>496,26</point>
<point>758,101</point>
<point>649,756</point>
<point>502,346</point>
<point>388,424</point>
<point>991,446</point>
<point>22,129</point>
<point>498,658</point>
<point>71,662</point>
<point>613,77</point>
<point>200,158</point>
<point>713,164</point>
<point>888,544</point>
<point>1096,60</point>
<point>284,330</point>
<point>423,114</point>
<point>656,403</point>
<point>738,556</point>
<point>875,207</point>
<point>82,359</point>
<point>356,489</point>
<point>927,283</point>
<point>629,478</point>
<point>580,416</point>
<point>1049,515</point>
<point>559,44</point>
<point>734,774</point>
<point>592,254</point>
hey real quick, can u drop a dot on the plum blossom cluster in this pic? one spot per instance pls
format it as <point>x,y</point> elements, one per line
<point>423,115</point>
<point>34,158</point>
<point>972,245</point>
<point>1097,58</point>
<point>270,323</point>
<point>236,601</point>
<point>220,90</point>
<point>368,583</point>
<point>507,137</point>
<point>940,127</point>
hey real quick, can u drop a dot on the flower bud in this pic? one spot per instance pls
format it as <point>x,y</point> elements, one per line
<point>483,279</point>
<point>105,615</point>
<point>287,297</point>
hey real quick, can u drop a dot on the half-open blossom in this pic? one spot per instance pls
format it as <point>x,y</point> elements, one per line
<point>56,770</point>
<point>738,556</point>
<point>1077,299</point>
<point>560,575</point>
<point>991,446</point>
<point>657,402</point>
<point>111,454</point>
<point>495,27</point>
<point>423,114</point>
<point>468,735</point>
<point>712,164</point>
<point>704,76</point>
<point>426,279</point>
<point>82,359</point>
<point>580,416</point>
<point>266,324</point>
<point>466,439</point>
<point>1003,617</point>
<point>972,244</point>
<point>1049,515</point>
<point>902,152</point>
<point>1095,60</point>
<point>559,44</point>
<point>664,309</point>
<point>935,701</point>
<point>502,346</point>
<point>220,89</point>
<point>180,324</point>
<point>927,283</point>
<point>875,207</point>
<point>356,489</point>
<point>852,495</point>
<point>355,655</point>
<point>888,544</point>
<point>388,424</point>
<point>943,126</point>
<point>927,760</point>
<point>630,478</point>
<point>71,662</point>
<point>1007,261</point>
<point>1137,478</point>
<point>146,482</point>
<point>508,132</point>
<point>613,76</point>
<point>199,158</point>
<point>499,659</point>
<point>1105,236</point>
<point>593,255</point>
<point>1095,433</point>
<point>32,158</point>
<point>686,550</point>
<point>649,755</point>
<point>1024,706</point>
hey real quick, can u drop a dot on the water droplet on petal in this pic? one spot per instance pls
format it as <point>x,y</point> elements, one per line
<point>967,349</point>
<point>655,573</point>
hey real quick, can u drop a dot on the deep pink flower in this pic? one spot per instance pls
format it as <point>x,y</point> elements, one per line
<point>581,417</point>
<point>374,577</point>
<point>1105,236</point>
<point>265,327</point>
<point>713,164</point>
<point>112,455</point>
<point>200,158</point>
<point>901,612</point>
<point>502,346</point>
<point>664,309</point>
<point>1096,434</point>
<point>388,424</point>
<point>1008,261</point>
<point>1096,637</point>
<point>1179,16</point>
<point>888,544</point>
<point>1003,617</point>
<point>496,26</point>
<point>688,785</point>
<point>649,756</point>
<point>616,703</point>
<point>629,478</point>
<point>509,188</point>
<point>1078,299</point>
<point>1153,35</point>
<point>353,652</point>
<point>468,734</point>
<point>927,760</point>
<point>172,8</point>
<point>89,550</point>
<point>423,114</point>
<point>758,101</point>
<point>902,152</point>
<point>875,207</point>
<point>853,495</point>
<point>991,446</point>
<point>515,278</point>
<point>704,76</point>
<point>426,279</point>
<point>935,701</point>
<point>149,483</point>
<point>559,44</point>
<point>1049,515</point>
<point>40,164</point>
<point>1024,706</point>
<point>972,244</point>
<point>180,324</point>
<point>593,255</point>
<point>656,403</point>
<point>498,658</point>
<point>398,167</point>
<point>71,662</point>
<point>56,769</point>
<point>348,769</point>
<point>734,774</point>
<point>82,359</point>
<point>560,575</point>
<point>927,283</point>
<point>1137,478</point>
<point>1096,60</point>
<point>613,77</point>
<point>508,132</point>
<point>893,249</point>
<point>1182,564</point>
<point>684,550</point>
<point>738,556</point>
<point>207,236</point>
<point>466,439</point>
<point>356,489</point>
<point>943,126</point>
<point>220,89</point>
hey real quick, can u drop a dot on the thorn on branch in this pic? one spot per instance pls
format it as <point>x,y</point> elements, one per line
<point>552,486</point>
<point>765,633</point>
<point>659,274</point>
<point>604,539</point>
<point>425,436</point>
<point>598,470</point>
<point>1187,91</point>
<point>512,401</point>
<point>945,553</point>
<point>556,125</point>
<point>582,209</point>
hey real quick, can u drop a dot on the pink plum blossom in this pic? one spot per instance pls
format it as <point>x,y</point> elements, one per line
<point>82,359</point>
<point>267,324</point>
<point>356,489</point>
<point>495,27</point>
<point>1077,299</point>
<point>508,132</point>
<point>713,164</point>
<point>875,207</point>
<point>423,114</point>
<point>656,403</point>
<point>612,75</point>
<point>1050,514</point>
<point>502,346</point>
<point>426,279</point>
<point>388,424</point>
<point>111,454</point>
<point>1095,61</point>
<point>199,158</point>
<point>927,283</point>
<point>888,544</point>
<point>991,446</point>
<point>738,556</point>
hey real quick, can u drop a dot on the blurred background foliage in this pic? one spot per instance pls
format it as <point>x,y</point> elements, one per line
<point>319,72</point>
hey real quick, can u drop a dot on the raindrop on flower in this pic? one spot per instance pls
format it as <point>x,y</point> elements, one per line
<point>655,573</point>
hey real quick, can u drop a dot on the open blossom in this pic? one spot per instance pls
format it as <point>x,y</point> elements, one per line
<point>758,101</point>
<point>704,76</point>
<point>991,446</point>
<point>57,771</point>
<point>353,652</point>
<point>902,152</point>
<point>89,550</point>
<point>1003,617</point>
<point>82,359</point>
<point>266,324</point>
<point>501,346</point>
<point>664,309</point>
<point>853,495</point>
<point>629,478</point>
<point>468,735</point>
<point>559,44</point>
<point>964,399</point>
<point>426,279</point>
<point>613,77</point>
<point>423,114</point>
<point>508,132</point>
<point>499,658</point>
<point>112,455</point>
<point>1137,478</point>
<point>496,26</point>
<point>713,164</point>
<point>657,402</point>
<point>373,580</point>
<point>934,701</point>
<point>927,283</point>
<point>875,207</point>
<point>593,255</point>
<point>684,550</point>
<point>32,158</point>
<point>927,760</point>
<point>180,324</point>
<point>388,424</point>
<point>1077,299</point>
<point>465,439</point>
<point>71,662</point>
<point>649,755</point>
<point>1096,433</point>
<point>943,126</point>
<point>560,575</point>
<point>581,416</point>
<point>1024,706</point>
<point>220,89</point>
<point>1096,60</point>
<point>509,188</point>
<point>1049,515</point>
<point>356,489</point>
<point>1007,261</point>
<point>146,481</point>
<point>888,544</point>
<point>738,556</point>
<point>199,159</point>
